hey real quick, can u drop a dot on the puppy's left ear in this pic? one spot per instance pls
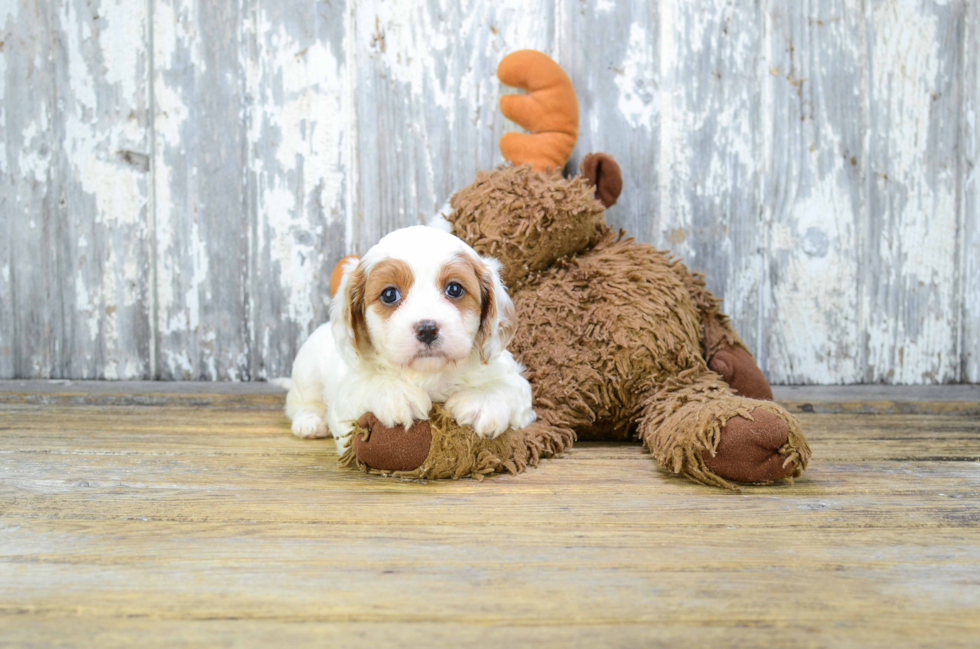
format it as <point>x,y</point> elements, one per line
<point>347,318</point>
<point>498,317</point>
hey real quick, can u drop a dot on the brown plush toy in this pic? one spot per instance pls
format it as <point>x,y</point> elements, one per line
<point>620,340</point>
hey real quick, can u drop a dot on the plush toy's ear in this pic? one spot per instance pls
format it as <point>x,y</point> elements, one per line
<point>549,111</point>
<point>604,174</point>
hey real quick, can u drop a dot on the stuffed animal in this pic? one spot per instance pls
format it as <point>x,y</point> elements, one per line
<point>620,340</point>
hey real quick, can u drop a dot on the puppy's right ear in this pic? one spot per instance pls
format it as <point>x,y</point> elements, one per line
<point>347,315</point>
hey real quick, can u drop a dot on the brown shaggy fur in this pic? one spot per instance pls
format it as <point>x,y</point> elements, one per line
<point>615,334</point>
<point>455,451</point>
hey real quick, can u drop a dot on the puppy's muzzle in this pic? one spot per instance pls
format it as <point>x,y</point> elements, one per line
<point>427,331</point>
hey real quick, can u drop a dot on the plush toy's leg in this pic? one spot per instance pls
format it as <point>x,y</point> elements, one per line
<point>724,351</point>
<point>549,435</point>
<point>695,425</point>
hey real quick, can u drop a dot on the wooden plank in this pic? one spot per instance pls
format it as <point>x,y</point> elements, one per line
<point>299,173</point>
<point>961,400</point>
<point>910,251</point>
<point>708,171</point>
<point>588,469</point>
<point>815,125</point>
<point>130,542</point>
<point>179,430</point>
<point>33,329</point>
<point>426,96</point>
<point>216,526</point>
<point>104,100</point>
<point>642,581</point>
<point>41,630</point>
<point>200,195</point>
<point>74,285</point>
<point>611,51</point>
<point>969,173</point>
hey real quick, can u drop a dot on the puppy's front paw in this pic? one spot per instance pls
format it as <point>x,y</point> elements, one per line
<point>401,405</point>
<point>309,425</point>
<point>488,414</point>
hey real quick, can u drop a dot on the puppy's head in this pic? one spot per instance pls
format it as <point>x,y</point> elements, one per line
<point>422,299</point>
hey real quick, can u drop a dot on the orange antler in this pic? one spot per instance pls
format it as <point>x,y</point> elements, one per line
<point>549,111</point>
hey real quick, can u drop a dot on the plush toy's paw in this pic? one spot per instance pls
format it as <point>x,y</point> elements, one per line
<point>309,425</point>
<point>488,414</point>
<point>392,448</point>
<point>740,372</point>
<point>401,405</point>
<point>755,450</point>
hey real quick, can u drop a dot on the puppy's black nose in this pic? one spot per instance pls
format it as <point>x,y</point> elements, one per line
<point>426,331</point>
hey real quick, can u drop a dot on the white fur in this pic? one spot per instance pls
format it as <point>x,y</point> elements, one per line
<point>440,221</point>
<point>399,377</point>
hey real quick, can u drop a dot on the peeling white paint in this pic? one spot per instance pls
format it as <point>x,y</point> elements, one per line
<point>912,329</point>
<point>304,132</point>
<point>365,116</point>
<point>635,80</point>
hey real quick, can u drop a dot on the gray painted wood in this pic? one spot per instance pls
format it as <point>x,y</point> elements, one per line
<point>710,147</point>
<point>426,101</point>
<point>815,199</point>
<point>947,400</point>
<point>299,172</point>
<point>911,319</point>
<point>32,324</point>
<point>179,176</point>
<point>75,207</point>
<point>969,175</point>
<point>619,99</point>
<point>201,154</point>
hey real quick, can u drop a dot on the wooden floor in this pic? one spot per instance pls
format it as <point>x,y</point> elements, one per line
<point>148,516</point>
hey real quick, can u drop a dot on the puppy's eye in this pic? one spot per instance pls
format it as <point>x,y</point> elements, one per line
<point>454,290</point>
<point>390,295</point>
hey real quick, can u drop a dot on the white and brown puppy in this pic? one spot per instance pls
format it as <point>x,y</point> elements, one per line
<point>421,318</point>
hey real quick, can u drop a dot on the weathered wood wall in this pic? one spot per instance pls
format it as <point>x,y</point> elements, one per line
<point>178,177</point>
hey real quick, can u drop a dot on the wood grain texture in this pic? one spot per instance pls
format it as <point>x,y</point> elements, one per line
<point>212,525</point>
<point>426,101</point>
<point>200,157</point>
<point>180,176</point>
<point>709,176</point>
<point>75,281</point>
<point>815,202</point>
<point>911,311</point>
<point>299,172</point>
<point>969,235</point>
<point>611,51</point>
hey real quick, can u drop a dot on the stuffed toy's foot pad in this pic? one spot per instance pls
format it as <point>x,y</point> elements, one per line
<point>750,450</point>
<point>392,449</point>
<point>740,372</point>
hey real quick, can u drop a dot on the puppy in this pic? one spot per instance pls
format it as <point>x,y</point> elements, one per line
<point>421,318</point>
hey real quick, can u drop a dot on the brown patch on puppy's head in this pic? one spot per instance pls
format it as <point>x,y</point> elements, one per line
<point>388,273</point>
<point>480,299</point>
<point>338,274</point>
<point>356,322</point>
<point>466,271</point>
